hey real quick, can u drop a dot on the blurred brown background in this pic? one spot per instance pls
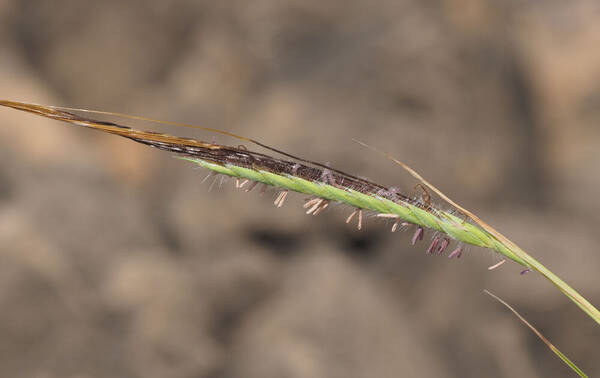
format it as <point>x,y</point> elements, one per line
<point>116,261</point>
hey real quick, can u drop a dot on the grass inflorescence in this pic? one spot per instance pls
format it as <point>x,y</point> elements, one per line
<point>303,176</point>
<point>385,203</point>
<point>325,185</point>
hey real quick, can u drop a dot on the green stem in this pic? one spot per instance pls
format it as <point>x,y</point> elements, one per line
<point>567,290</point>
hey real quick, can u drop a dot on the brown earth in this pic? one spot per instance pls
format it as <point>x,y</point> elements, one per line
<point>116,261</point>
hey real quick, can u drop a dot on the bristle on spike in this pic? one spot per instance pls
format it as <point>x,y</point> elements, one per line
<point>209,175</point>
<point>263,188</point>
<point>251,186</point>
<point>216,177</point>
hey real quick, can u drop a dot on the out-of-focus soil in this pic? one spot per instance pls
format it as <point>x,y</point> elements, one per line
<point>117,261</point>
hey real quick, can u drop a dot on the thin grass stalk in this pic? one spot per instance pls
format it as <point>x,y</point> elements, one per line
<point>554,349</point>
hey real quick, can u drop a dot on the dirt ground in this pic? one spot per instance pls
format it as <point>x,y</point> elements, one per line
<point>117,261</point>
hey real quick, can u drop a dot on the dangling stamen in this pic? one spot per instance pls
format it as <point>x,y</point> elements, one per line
<point>239,185</point>
<point>497,265</point>
<point>311,202</point>
<point>526,271</point>
<point>417,236</point>
<point>351,216</point>
<point>456,253</point>
<point>433,245</point>
<point>443,245</point>
<point>315,205</point>
<point>360,215</point>
<point>397,223</point>
<point>321,207</point>
<point>280,198</point>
